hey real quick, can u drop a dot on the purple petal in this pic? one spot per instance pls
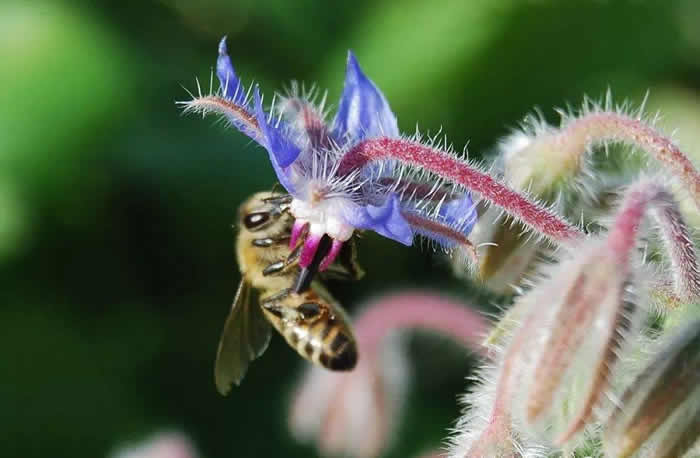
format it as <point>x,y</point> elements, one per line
<point>460,213</point>
<point>230,84</point>
<point>385,220</point>
<point>281,149</point>
<point>363,112</point>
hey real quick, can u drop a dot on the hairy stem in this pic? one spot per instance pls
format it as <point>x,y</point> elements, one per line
<point>235,113</point>
<point>414,309</point>
<point>602,126</point>
<point>674,232</point>
<point>447,166</point>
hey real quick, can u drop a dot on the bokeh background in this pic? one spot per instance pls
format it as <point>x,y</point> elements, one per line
<point>116,260</point>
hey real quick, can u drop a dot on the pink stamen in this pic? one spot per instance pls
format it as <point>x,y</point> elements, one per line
<point>309,250</point>
<point>297,229</point>
<point>332,254</point>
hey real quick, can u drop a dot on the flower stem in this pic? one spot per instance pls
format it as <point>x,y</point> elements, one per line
<point>234,112</point>
<point>445,165</point>
<point>623,235</point>
<point>414,309</point>
<point>602,126</point>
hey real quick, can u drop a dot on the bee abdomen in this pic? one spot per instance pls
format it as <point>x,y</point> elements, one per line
<point>324,344</point>
<point>342,354</point>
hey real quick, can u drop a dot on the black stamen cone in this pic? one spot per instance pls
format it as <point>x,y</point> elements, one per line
<point>306,275</point>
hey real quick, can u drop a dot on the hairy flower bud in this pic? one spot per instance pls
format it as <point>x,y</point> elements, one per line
<point>556,165</point>
<point>505,253</point>
<point>661,407</point>
<point>569,344</point>
<point>573,325</point>
<point>535,161</point>
<point>538,161</point>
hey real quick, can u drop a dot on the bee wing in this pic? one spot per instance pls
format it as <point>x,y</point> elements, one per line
<point>245,336</point>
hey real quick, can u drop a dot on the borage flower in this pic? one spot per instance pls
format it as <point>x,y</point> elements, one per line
<point>388,197</point>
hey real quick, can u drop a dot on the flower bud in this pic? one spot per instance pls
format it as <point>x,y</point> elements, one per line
<point>541,162</point>
<point>660,409</point>
<point>538,163</point>
<point>573,340</point>
<point>504,255</point>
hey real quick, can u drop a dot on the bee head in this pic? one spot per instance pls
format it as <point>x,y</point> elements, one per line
<point>262,209</point>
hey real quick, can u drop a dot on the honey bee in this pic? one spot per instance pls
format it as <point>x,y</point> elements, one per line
<point>310,320</point>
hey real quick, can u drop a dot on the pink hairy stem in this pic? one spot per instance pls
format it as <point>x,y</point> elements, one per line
<point>623,235</point>
<point>357,410</point>
<point>417,191</point>
<point>452,168</point>
<point>608,125</point>
<point>414,309</point>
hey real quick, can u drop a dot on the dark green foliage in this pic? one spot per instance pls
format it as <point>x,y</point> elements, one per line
<point>116,247</point>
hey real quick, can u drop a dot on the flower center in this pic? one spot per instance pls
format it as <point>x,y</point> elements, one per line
<point>322,218</point>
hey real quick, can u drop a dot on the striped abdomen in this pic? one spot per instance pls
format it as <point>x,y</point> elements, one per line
<point>316,329</point>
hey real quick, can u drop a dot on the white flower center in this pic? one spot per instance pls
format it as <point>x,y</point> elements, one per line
<point>323,218</point>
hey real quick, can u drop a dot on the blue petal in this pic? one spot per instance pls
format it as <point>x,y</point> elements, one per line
<point>363,112</point>
<point>230,84</point>
<point>459,213</point>
<point>281,149</point>
<point>385,220</point>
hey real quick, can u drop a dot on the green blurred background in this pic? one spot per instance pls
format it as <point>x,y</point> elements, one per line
<point>116,260</point>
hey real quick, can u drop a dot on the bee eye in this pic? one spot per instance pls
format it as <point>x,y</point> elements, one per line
<point>256,219</point>
<point>309,310</point>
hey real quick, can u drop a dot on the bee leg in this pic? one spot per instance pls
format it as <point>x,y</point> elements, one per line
<point>271,303</point>
<point>275,309</point>
<point>280,199</point>
<point>307,273</point>
<point>270,241</point>
<point>274,268</point>
<point>294,255</point>
<point>282,202</point>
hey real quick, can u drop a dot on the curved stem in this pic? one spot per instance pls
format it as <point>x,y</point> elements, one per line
<point>604,126</point>
<point>235,113</point>
<point>453,169</point>
<point>415,309</point>
<point>623,235</point>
